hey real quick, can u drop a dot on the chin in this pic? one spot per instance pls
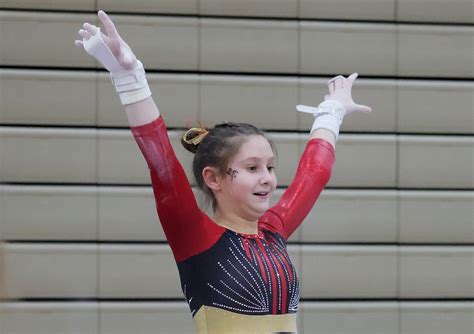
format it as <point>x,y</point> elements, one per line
<point>260,210</point>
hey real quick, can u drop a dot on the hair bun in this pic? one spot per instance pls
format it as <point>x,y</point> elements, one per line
<point>192,138</point>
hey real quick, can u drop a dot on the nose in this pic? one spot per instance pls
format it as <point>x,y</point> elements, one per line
<point>266,177</point>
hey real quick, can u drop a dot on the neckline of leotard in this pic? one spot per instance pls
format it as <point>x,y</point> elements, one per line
<point>258,235</point>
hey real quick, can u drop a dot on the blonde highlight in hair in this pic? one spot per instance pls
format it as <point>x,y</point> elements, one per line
<point>192,138</point>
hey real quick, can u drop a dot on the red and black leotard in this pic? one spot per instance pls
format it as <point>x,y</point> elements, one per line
<point>223,271</point>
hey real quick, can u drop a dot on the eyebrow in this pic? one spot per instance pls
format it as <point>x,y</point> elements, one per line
<point>257,158</point>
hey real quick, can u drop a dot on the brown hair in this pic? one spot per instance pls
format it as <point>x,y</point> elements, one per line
<point>215,147</point>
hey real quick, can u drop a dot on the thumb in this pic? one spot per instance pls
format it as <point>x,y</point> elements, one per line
<point>352,78</point>
<point>363,108</point>
<point>79,43</point>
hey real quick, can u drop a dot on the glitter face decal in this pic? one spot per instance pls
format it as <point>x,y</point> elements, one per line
<point>233,173</point>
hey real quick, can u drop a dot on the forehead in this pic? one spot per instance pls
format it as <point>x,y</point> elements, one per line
<point>254,147</point>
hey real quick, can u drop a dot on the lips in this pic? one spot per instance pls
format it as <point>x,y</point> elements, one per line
<point>261,194</point>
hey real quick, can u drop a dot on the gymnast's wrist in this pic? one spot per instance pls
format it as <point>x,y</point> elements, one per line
<point>131,85</point>
<point>330,116</point>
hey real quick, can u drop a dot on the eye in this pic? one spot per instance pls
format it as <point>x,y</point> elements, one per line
<point>271,168</point>
<point>252,168</point>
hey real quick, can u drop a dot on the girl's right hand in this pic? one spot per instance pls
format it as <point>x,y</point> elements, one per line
<point>340,90</point>
<point>110,50</point>
<point>127,73</point>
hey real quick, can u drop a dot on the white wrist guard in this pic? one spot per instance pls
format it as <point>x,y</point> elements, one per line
<point>131,85</point>
<point>328,115</point>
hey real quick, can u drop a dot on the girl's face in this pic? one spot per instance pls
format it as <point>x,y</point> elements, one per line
<point>250,179</point>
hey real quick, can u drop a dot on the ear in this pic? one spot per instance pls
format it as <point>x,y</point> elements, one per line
<point>211,177</point>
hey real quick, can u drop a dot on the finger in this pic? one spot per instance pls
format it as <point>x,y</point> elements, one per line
<point>339,82</point>
<point>108,24</point>
<point>332,82</point>
<point>90,28</point>
<point>352,78</point>
<point>332,87</point>
<point>363,108</point>
<point>84,34</point>
<point>114,45</point>
<point>79,43</point>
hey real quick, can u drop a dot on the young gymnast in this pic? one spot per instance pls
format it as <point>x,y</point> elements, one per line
<point>234,267</point>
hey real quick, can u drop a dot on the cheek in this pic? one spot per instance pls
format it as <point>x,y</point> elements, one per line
<point>274,180</point>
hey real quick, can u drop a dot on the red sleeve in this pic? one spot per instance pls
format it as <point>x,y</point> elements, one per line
<point>189,231</point>
<point>312,175</point>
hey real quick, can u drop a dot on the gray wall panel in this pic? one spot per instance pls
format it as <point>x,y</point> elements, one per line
<point>435,106</point>
<point>148,317</point>
<point>436,318</point>
<point>347,9</point>
<point>264,102</point>
<point>120,159</point>
<point>50,4</point>
<point>356,155</point>
<point>49,213</point>
<point>47,97</point>
<point>437,217</point>
<point>150,6</point>
<point>56,50</point>
<point>352,216</point>
<point>350,317</point>
<point>328,271</point>
<point>435,51</point>
<point>436,272</point>
<point>47,271</point>
<point>138,271</point>
<point>436,161</point>
<point>266,8</point>
<point>127,213</point>
<point>436,10</point>
<point>228,45</point>
<point>49,155</point>
<point>49,317</point>
<point>329,48</point>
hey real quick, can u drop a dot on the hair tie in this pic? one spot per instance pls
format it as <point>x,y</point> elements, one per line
<point>196,140</point>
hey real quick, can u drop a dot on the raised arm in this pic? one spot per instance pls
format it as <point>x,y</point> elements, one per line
<point>182,220</point>
<point>316,164</point>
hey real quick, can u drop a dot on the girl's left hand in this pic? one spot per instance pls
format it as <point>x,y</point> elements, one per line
<point>340,90</point>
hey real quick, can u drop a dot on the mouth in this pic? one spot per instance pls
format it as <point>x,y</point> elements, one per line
<point>262,194</point>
